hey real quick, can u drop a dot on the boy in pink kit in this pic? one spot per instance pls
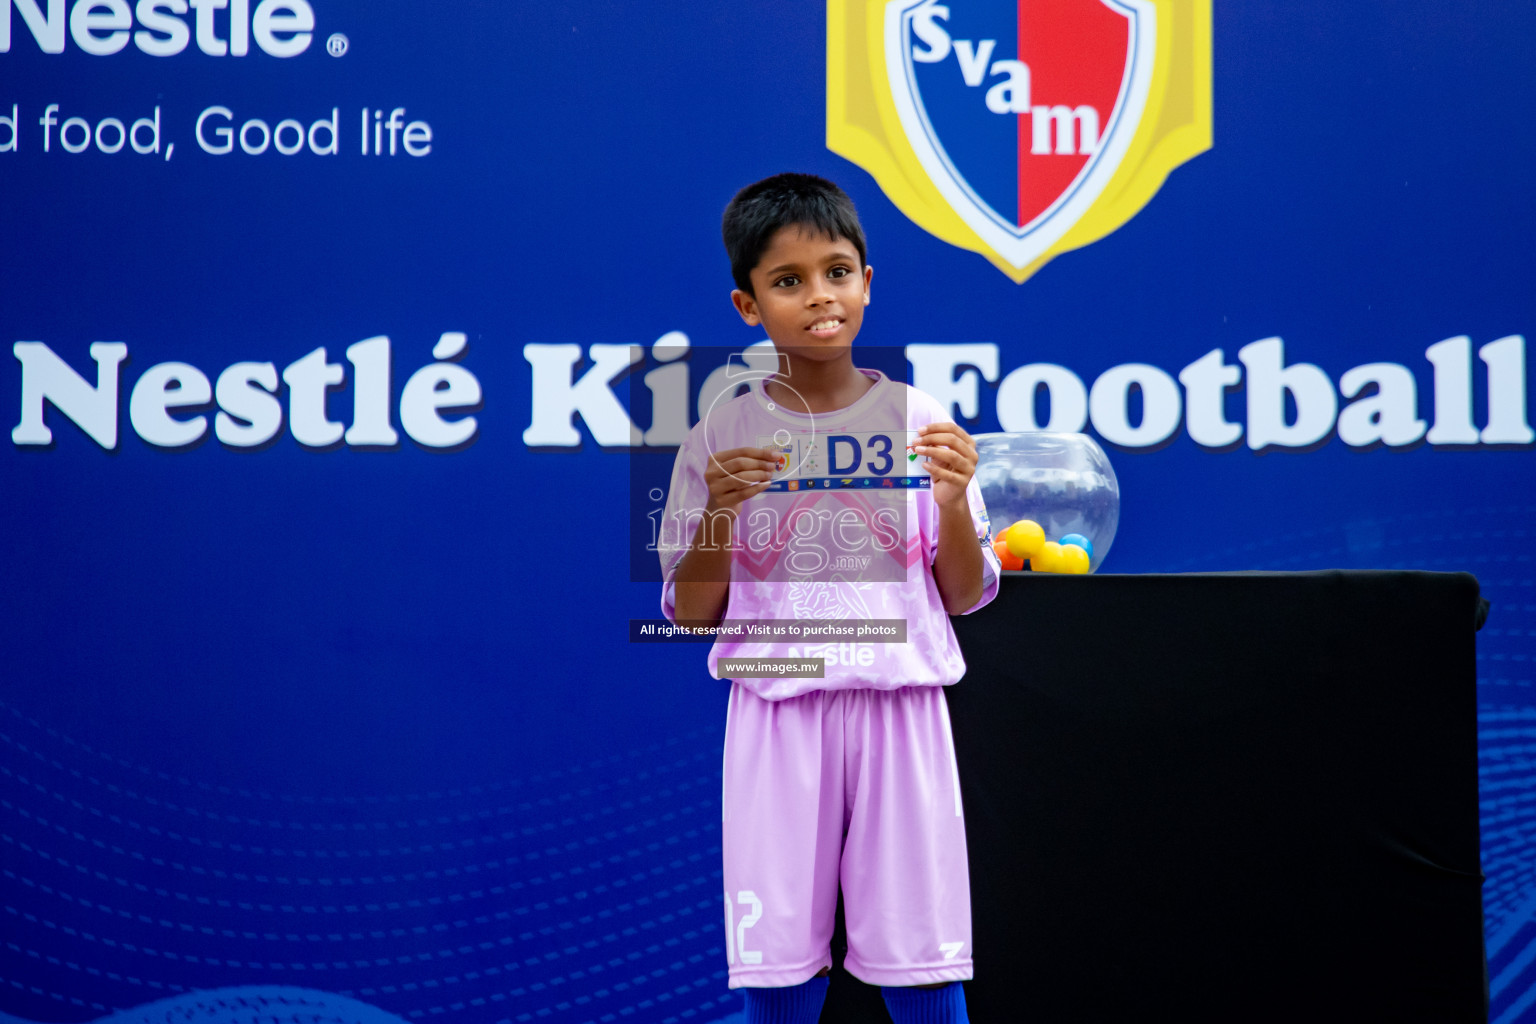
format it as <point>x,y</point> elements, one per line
<point>831,494</point>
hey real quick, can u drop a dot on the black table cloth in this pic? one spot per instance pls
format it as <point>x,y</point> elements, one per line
<point>1220,797</point>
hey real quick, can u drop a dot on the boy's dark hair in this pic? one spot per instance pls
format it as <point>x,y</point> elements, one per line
<point>761,209</point>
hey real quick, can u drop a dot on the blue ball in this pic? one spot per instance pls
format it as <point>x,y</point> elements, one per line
<point>1080,541</point>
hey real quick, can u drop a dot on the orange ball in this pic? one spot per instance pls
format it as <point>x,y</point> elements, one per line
<point>1008,559</point>
<point>1024,538</point>
<point>1048,559</point>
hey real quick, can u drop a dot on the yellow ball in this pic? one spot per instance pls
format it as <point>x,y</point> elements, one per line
<point>1073,559</point>
<point>1024,538</point>
<point>1048,559</point>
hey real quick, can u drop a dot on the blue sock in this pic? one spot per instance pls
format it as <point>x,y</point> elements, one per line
<point>794,1004</point>
<point>926,1005</point>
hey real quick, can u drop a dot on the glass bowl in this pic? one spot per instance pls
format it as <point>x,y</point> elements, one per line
<point>1064,482</point>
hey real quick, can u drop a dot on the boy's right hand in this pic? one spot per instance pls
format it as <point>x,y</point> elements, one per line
<point>737,474</point>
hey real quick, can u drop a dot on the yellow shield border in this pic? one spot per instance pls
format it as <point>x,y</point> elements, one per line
<point>863,126</point>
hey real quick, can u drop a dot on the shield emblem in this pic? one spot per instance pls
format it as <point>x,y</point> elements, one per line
<point>1019,128</point>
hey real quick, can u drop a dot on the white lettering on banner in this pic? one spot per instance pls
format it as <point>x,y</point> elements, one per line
<point>75,133</point>
<point>1507,424</point>
<point>47,378</point>
<point>47,31</point>
<point>100,27</point>
<point>308,380</point>
<point>973,59</point>
<point>1017,393</point>
<point>249,412</point>
<point>416,137</point>
<point>925,25</point>
<point>224,145</point>
<point>1295,406</point>
<point>281,28</point>
<point>1452,360</point>
<point>759,360</point>
<point>442,385</point>
<point>163,387</point>
<point>668,384</point>
<point>215,134</point>
<point>246,395</point>
<point>1206,382</point>
<point>1379,400</point>
<point>1389,416</point>
<point>1011,95</point>
<point>556,399</point>
<point>370,407</point>
<point>1109,405</point>
<point>1076,129</point>
<point>207,40</point>
<point>1269,380</point>
<point>933,372</point>
<point>173,33</point>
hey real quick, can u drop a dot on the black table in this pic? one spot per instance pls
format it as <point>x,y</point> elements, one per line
<point>1220,797</point>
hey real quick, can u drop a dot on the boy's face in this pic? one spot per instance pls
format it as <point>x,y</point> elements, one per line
<point>811,291</point>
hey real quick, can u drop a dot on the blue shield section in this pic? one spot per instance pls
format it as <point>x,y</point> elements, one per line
<point>981,146</point>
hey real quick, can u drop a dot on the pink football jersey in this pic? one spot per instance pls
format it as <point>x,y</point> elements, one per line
<point>847,533</point>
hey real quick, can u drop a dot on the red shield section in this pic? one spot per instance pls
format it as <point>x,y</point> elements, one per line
<point>1077,52</point>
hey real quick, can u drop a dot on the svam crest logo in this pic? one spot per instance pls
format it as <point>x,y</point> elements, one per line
<point>1019,129</point>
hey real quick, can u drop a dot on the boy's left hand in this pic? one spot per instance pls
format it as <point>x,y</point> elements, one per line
<point>951,460</point>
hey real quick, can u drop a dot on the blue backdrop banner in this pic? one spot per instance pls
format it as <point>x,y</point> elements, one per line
<point>351,342</point>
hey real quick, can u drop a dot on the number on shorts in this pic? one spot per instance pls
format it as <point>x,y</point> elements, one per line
<point>736,931</point>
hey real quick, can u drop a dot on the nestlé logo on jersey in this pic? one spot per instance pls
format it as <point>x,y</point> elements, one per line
<point>163,28</point>
<point>1019,129</point>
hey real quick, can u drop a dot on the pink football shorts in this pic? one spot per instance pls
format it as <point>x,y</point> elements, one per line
<point>851,786</point>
